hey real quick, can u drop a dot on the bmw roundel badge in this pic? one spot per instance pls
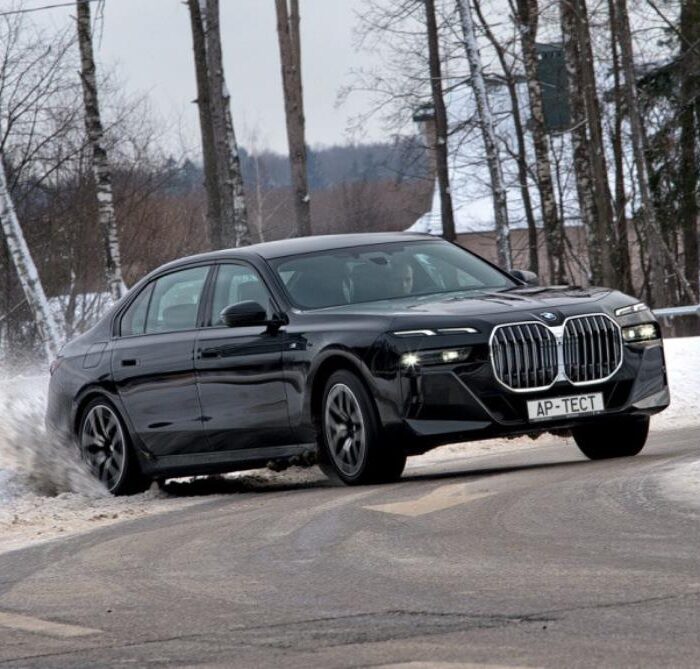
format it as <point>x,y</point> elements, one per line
<point>549,316</point>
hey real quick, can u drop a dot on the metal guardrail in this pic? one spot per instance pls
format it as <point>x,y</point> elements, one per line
<point>670,312</point>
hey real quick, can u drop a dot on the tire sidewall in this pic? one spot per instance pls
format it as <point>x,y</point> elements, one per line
<point>131,470</point>
<point>370,421</point>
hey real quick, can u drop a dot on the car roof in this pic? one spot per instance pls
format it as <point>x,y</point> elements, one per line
<point>300,245</point>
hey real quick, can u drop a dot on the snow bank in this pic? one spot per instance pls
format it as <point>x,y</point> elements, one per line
<point>683,365</point>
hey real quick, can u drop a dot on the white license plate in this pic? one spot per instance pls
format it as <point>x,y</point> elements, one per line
<point>558,407</point>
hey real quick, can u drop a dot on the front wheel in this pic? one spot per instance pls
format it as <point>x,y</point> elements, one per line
<point>614,438</point>
<point>352,448</point>
<point>106,449</point>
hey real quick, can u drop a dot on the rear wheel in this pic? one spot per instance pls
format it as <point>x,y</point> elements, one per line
<point>352,448</point>
<point>107,451</point>
<point>615,438</point>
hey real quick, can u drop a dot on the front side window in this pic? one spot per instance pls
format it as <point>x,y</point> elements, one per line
<point>234,284</point>
<point>175,301</point>
<point>385,272</point>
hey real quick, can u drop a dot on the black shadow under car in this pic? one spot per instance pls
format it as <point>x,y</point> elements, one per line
<point>363,348</point>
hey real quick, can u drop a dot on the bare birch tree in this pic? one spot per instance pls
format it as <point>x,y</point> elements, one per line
<point>488,131</point>
<point>518,126</point>
<point>527,16</point>
<point>587,134</point>
<point>234,223</point>
<point>658,246</point>
<point>26,269</point>
<point>288,33</point>
<point>100,163</point>
<point>441,129</point>
<point>227,215</point>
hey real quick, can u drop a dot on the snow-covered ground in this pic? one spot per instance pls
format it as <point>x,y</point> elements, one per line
<point>45,493</point>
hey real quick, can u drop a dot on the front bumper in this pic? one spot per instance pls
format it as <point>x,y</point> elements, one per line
<point>465,402</point>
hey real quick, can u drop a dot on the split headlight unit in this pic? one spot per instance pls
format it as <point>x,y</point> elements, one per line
<point>444,356</point>
<point>638,333</point>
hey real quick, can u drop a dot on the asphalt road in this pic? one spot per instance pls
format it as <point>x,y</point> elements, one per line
<point>526,559</point>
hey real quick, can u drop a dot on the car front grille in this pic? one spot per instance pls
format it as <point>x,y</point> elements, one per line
<point>532,356</point>
<point>592,348</point>
<point>524,356</point>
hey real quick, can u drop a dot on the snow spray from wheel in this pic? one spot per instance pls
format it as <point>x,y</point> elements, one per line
<point>32,460</point>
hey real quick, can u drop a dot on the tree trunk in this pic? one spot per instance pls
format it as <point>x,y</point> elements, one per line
<point>521,158</point>
<point>100,164</point>
<point>441,129</point>
<point>659,249</point>
<point>234,218</point>
<point>211,178</point>
<point>583,168</point>
<point>488,131</point>
<point>290,58</point>
<point>527,16</point>
<point>26,270</point>
<point>605,230</point>
<point>621,258</point>
<point>690,99</point>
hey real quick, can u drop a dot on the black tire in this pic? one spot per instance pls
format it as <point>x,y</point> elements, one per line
<point>105,446</point>
<point>352,449</point>
<point>621,437</point>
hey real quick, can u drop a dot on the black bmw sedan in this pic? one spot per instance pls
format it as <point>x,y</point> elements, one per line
<point>364,349</point>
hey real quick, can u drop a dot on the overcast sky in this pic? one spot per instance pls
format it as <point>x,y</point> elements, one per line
<point>149,44</point>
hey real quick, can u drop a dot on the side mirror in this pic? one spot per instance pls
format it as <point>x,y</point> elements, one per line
<point>244,314</point>
<point>528,278</point>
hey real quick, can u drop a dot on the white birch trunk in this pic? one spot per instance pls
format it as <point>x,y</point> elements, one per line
<point>234,215</point>
<point>554,232</point>
<point>488,130</point>
<point>26,270</point>
<point>235,174</point>
<point>100,164</point>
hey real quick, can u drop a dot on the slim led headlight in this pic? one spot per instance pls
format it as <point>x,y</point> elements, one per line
<point>441,357</point>
<point>644,332</point>
<point>632,309</point>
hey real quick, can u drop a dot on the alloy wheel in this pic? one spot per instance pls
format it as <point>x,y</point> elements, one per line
<point>103,445</point>
<point>345,430</point>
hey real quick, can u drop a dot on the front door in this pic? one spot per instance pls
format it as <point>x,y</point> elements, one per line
<point>153,363</point>
<point>239,370</point>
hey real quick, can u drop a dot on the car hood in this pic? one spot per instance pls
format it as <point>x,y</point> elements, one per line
<point>480,303</point>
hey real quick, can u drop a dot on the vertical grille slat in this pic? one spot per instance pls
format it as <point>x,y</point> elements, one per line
<point>592,348</point>
<point>524,356</point>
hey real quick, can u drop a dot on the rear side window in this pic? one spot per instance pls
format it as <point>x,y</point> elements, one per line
<point>134,318</point>
<point>175,301</point>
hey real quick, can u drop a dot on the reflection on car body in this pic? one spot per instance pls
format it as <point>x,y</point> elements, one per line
<point>364,348</point>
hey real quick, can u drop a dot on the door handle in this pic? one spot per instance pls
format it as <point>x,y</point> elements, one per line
<point>210,353</point>
<point>130,362</point>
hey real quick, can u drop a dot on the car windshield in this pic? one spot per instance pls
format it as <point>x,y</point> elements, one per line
<point>384,272</point>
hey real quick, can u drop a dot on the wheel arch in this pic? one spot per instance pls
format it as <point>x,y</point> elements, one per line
<point>85,398</point>
<point>333,362</point>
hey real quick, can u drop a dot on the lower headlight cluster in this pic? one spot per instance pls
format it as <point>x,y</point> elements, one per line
<point>442,357</point>
<point>638,333</point>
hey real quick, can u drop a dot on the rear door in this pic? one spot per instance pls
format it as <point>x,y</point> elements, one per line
<point>153,362</point>
<point>240,375</point>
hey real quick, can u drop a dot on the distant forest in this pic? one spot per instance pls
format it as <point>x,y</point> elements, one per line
<point>403,160</point>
